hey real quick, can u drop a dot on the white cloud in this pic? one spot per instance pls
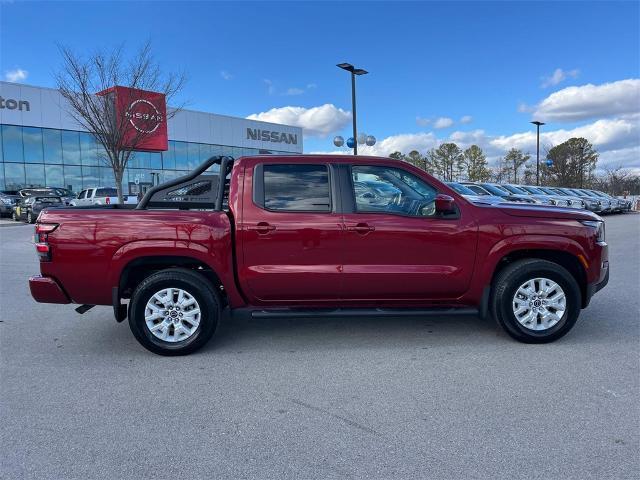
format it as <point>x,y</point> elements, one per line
<point>316,121</point>
<point>271,89</point>
<point>617,140</point>
<point>294,91</point>
<point>423,122</point>
<point>16,75</point>
<point>558,76</point>
<point>590,101</point>
<point>604,134</point>
<point>466,119</point>
<point>226,75</point>
<point>404,143</point>
<point>443,122</point>
<point>311,86</point>
<point>524,108</point>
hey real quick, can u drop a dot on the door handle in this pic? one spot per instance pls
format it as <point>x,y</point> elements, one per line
<point>361,228</point>
<point>262,228</point>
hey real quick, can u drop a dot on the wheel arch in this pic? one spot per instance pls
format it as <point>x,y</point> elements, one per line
<point>139,268</point>
<point>568,260</point>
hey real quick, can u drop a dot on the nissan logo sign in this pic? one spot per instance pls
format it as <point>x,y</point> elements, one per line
<point>271,136</point>
<point>144,116</point>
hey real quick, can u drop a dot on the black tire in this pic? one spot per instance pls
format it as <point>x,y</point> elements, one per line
<point>507,283</point>
<point>194,284</point>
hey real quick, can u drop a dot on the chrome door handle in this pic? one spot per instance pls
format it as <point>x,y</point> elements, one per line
<point>262,227</point>
<point>362,228</point>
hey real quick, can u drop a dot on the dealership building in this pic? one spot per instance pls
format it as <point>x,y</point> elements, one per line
<point>42,145</point>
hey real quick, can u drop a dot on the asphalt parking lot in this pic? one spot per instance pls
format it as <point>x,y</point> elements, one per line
<point>359,398</point>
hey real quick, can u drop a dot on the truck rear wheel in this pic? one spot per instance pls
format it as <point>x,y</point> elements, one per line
<point>174,312</point>
<point>536,301</point>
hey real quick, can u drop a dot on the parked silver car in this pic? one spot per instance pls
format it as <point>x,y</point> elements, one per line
<point>466,192</point>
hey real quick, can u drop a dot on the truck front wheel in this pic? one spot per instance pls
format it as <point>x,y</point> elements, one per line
<point>536,301</point>
<point>174,312</point>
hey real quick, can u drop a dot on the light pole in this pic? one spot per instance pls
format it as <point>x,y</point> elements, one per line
<point>354,71</point>
<point>537,124</point>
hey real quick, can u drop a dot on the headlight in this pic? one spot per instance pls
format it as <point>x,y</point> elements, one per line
<point>6,201</point>
<point>598,226</point>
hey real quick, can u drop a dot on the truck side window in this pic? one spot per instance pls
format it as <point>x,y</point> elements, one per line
<point>391,190</point>
<point>299,188</point>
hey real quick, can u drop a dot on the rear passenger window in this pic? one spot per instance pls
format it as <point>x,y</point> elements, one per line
<point>302,188</point>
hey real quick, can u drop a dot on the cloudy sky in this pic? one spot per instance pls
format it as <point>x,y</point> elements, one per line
<point>474,72</point>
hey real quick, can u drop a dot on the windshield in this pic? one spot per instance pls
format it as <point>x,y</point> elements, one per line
<point>477,189</point>
<point>47,199</point>
<point>534,190</point>
<point>496,190</point>
<point>461,189</point>
<point>580,193</point>
<point>63,192</point>
<point>516,190</point>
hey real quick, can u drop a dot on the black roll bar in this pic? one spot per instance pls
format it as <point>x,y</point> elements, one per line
<point>223,161</point>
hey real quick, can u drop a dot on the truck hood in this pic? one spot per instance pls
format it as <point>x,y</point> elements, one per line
<point>544,211</point>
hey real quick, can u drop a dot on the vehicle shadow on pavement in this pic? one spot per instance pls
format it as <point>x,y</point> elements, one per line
<point>337,333</point>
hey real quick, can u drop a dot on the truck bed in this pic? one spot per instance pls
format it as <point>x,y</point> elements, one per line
<point>92,245</point>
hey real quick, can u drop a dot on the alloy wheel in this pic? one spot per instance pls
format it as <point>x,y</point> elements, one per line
<point>539,304</point>
<point>172,315</point>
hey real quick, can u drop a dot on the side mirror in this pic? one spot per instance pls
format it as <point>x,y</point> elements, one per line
<point>445,203</point>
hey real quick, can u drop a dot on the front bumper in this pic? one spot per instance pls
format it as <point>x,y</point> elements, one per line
<point>595,287</point>
<point>47,290</point>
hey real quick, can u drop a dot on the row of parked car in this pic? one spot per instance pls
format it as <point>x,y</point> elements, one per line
<point>25,205</point>
<point>593,200</point>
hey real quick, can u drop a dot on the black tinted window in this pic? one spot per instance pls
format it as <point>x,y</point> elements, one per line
<point>297,188</point>
<point>106,192</point>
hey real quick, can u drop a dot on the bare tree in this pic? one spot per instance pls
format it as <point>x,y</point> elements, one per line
<point>81,78</point>
<point>512,162</point>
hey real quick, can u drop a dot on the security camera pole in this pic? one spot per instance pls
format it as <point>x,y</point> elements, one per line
<point>354,71</point>
<point>537,124</point>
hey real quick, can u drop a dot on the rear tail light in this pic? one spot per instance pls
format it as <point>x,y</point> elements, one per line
<point>41,240</point>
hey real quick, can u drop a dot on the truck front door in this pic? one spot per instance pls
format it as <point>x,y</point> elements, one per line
<point>290,233</point>
<point>396,247</point>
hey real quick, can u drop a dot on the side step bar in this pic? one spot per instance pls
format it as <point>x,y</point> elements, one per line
<point>362,312</point>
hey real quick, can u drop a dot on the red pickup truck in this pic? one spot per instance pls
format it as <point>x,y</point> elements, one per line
<point>318,235</point>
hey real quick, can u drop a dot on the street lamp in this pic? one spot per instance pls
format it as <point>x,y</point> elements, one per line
<point>354,71</point>
<point>537,124</point>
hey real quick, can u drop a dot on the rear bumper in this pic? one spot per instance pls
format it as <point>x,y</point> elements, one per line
<point>47,290</point>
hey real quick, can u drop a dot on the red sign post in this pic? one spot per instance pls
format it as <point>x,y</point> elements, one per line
<point>141,117</point>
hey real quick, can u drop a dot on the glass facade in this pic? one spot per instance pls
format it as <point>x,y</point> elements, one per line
<point>35,157</point>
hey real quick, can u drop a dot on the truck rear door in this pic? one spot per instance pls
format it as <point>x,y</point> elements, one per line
<point>290,232</point>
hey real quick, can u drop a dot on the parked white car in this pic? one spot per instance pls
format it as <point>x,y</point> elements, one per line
<point>101,196</point>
